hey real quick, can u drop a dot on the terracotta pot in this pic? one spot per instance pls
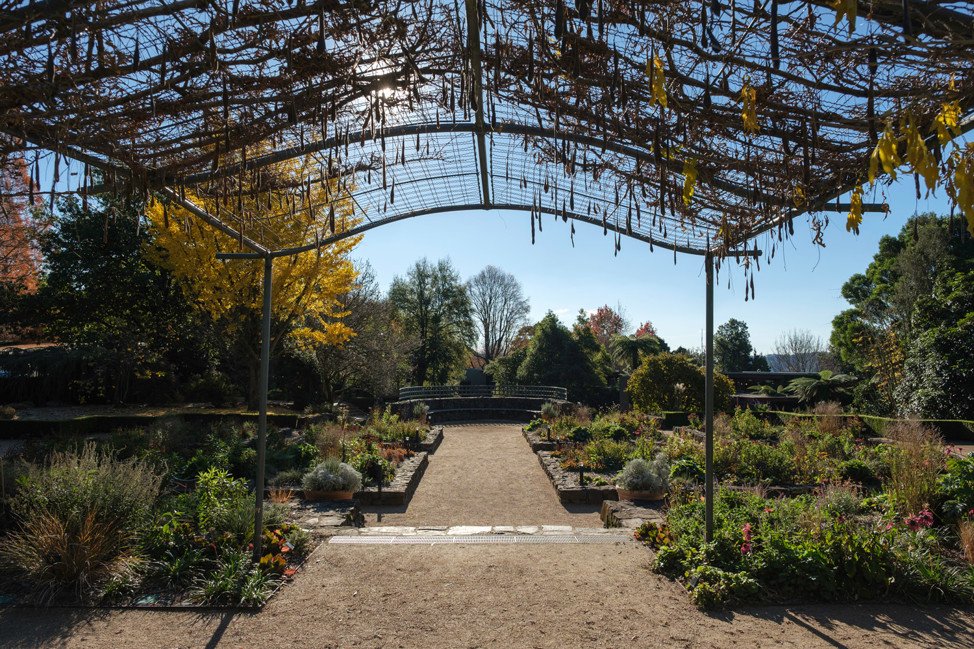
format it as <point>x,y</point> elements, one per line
<point>328,495</point>
<point>625,494</point>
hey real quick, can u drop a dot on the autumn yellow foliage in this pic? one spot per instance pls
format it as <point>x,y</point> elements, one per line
<point>305,287</point>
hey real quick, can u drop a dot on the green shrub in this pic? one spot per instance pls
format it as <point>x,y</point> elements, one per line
<point>580,434</point>
<point>688,468</point>
<point>955,488</point>
<point>607,455</point>
<point>222,502</point>
<point>289,477</point>
<point>665,382</point>
<point>215,388</point>
<point>855,470</point>
<point>768,463</point>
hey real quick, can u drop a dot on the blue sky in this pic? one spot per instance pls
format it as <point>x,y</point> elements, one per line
<point>799,289</point>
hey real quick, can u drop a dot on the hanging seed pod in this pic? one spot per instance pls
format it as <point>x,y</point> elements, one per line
<point>392,193</point>
<point>601,20</point>
<point>532,226</point>
<point>706,92</point>
<point>320,47</point>
<point>530,53</point>
<point>559,20</point>
<point>331,218</point>
<point>806,166</point>
<point>703,25</point>
<point>584,8</point>
<point>871,97</point>
<point>775,54</point>
<point>49,68</point>
<point>733,27</point>
<point>907,23</point>
<point>814,139</point>
<point>573,235</point>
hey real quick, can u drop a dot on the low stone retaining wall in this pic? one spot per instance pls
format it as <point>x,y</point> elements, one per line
<point>566,484</point>
<point>476,414</point>
<point>431,442</point>
<point>538,442</point>
<point>627,514</point>
<point>522,409</point>
<point>402,487</point>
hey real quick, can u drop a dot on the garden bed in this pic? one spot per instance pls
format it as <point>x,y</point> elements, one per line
<point>570,492</point>
<point>163,516</point>
<point>571,446</point>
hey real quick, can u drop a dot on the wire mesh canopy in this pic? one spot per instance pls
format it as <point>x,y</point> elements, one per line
<point>694,126</point>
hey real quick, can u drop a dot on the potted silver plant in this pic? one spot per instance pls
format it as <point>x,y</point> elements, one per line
<point>644,480</point>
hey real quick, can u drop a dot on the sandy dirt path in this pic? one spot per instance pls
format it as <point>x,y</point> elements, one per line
<point>484,474</point>
<point>447,596</point>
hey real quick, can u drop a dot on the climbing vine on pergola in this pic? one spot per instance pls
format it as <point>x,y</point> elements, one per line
<point>691,125</point>
<point>703,127</point>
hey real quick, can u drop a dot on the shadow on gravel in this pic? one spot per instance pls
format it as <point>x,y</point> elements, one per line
<point>923,625</point>
<point>583,509</point>
<point>30,628</point>
<point>41,627</point>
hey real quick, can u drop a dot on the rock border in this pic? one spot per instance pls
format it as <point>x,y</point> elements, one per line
<point>567,487</point>
<point>630,514</point>
<point>537,442</point>
<point>402,487</point>
<point>432,441</point>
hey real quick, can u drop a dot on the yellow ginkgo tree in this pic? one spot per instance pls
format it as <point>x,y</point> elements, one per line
<point>306,286</point>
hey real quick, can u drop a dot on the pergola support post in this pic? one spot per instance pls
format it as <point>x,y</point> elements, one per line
<point>709,405</point>
<point>265,362</point>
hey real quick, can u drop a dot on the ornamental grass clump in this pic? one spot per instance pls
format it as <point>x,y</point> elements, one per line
<point>915,466</point>
<point>643,475</point>
<point>78,518</point>
<point>332,475</point>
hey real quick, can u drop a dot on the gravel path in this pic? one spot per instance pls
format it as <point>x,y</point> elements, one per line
<point>484,474</point>
<point>447,596</point>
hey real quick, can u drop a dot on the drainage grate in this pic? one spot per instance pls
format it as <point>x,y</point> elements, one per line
<point>479,539</point>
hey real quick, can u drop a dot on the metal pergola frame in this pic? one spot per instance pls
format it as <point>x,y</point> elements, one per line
<point>185,90</point>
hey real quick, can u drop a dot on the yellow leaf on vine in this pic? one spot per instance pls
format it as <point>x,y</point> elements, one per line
<point>689,180</point>
<point>918,155</point>
<point>657,88</point>
<point>855,211</point>
<point>884,154</point>
<point>946,122</point>
<point>962,190</point>
<point>847,8</point>
<point>749,111</point>
<point>798,195</point>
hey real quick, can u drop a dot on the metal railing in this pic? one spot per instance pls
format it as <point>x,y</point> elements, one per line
<point>447,391</point>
